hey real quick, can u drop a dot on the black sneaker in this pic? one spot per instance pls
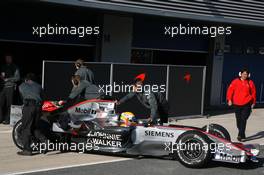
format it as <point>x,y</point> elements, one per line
<point>6,122</point>
<point>45,151</point>
<point>239,138</point>
<point>243,139</point>
<point>25,153</point>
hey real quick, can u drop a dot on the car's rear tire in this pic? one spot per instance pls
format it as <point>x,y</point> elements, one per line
<point>195,156</point>
<point>218,131</point>
<point>16,134</point>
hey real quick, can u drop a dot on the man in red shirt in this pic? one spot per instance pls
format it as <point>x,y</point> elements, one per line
<point>242,95</point>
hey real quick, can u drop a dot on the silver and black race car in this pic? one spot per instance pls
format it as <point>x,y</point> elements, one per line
<point>95,125</point>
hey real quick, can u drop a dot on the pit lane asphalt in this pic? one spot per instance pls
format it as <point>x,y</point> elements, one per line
<point>91,164</point>
<point>154,166</point>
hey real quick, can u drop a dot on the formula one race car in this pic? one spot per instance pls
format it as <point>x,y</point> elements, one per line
<point>95,125</point>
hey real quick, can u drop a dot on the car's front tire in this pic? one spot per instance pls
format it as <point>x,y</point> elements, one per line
<point>193,149</point>
<point>218,131</point>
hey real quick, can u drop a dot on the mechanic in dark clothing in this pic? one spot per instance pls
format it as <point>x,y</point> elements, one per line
<point>83,71</point>
<point>32,95</point>
<point>9,77</point>
<point>156,102</point>
<point>83,89</point>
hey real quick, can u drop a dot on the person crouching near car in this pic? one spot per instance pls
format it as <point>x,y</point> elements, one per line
<point>241,94</point>
<point>32,95</point>
<point>156,102</point>
<point>83,89</point>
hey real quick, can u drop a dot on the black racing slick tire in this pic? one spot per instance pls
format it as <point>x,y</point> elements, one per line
<point>218,131</point>
<point>193,149</point>
<point>16,134</point>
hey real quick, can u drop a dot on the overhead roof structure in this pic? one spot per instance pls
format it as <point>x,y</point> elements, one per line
<point>246,12</point>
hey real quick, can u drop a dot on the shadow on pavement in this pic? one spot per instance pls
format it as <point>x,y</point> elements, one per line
<point>243,166</point>
<point>215,164</point>
<point>223,109</point>
<point>218,110</point>
<point>212,164</point>
<point>256,136</point>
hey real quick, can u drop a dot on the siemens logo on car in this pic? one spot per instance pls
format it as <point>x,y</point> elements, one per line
<point>82,110</point>
<point>159,134</point>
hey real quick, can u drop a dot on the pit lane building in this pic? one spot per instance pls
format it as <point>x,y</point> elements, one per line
<point>134,32</point>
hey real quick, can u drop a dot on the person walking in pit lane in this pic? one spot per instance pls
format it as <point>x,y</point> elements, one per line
<point>242,95</point>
